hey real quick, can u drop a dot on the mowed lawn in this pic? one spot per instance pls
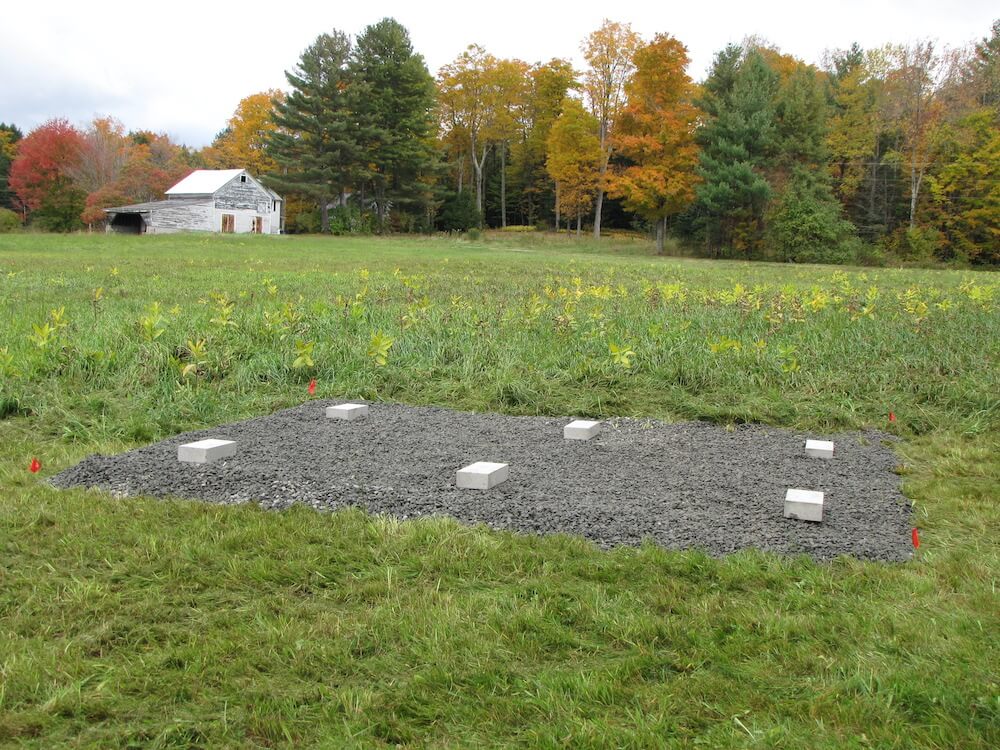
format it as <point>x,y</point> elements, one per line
<point>148,623</point>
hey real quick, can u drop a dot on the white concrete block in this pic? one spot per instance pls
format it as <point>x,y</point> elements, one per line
<point>482,475</point>
<point>804,505</point>
<point>206,451</point>
<point>819,448</point>
<point>350,412</point>
<point>581,429</point>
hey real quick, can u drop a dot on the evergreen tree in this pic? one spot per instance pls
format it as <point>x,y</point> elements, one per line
<point>317,144</point>
<point>396,106</point>
<point>801,115</point>
<point>986,68</point>
<point>805,223</point>
<point>9,136</point>
<point>737,142</point>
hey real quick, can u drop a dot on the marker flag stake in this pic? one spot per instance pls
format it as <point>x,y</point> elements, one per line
<point>892,416</point>
<point>34,466</point>
<point>916,539</point>
<point>312,387</point>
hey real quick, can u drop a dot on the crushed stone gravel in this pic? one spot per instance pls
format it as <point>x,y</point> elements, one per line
<point>682,485</point>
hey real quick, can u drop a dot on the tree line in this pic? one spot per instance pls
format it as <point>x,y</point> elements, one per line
<point>892,151</point>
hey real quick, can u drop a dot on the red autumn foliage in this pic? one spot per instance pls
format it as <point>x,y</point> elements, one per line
<point>43,158</point>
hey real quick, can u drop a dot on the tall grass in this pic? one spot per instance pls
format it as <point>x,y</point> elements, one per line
<point>474,328</point>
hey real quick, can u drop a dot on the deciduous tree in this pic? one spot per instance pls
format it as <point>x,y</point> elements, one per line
<point>574,160</point>
<point>609,51</point>
<point>547,87</point>
<point>916,82</point>
<point>965,191</point>
<point>466,99</point>
<point>39,179</point>
<point>243,144</point>
<point>655,134</point>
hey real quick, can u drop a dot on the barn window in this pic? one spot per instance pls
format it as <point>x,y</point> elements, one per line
<point>243,178</point>
<point>228,223</point>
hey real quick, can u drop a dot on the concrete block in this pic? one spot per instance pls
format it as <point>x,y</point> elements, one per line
<point>482,475</point>
<point>804,505</point>
<point>581,429</point>
<point>819,448</point>
<point>206,451</point>
<point>350,412</point>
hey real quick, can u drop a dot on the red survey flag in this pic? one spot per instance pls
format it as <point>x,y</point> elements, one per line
<point>34,466</point>
<point>312,387</point>
<point>916,539</point>
<point>892,416</point>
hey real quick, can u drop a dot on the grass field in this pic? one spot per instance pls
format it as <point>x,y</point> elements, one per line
<point>144,623</point>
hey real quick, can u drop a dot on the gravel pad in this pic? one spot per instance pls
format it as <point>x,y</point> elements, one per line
<point>687,485</point>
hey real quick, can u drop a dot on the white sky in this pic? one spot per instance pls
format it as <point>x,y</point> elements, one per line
<point>181,67</point>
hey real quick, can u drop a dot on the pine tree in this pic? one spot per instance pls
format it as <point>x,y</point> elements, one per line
<point>317,144</point>
<point>396,106</point>
<point>9,136</point>
<point>737,142</point>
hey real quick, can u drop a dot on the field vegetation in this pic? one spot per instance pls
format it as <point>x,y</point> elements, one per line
<point>147,623</point>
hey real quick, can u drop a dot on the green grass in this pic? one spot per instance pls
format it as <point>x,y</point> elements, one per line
<point>144,623</point>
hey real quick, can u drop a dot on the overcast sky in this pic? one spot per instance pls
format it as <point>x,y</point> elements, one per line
<point>181,67</point>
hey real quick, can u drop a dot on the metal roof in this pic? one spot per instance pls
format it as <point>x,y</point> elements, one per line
<point>204,181</point>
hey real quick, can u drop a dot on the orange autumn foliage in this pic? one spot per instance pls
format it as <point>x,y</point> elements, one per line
<point>655,135</point>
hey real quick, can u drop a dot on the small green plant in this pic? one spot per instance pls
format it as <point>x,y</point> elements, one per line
<point>621,355</point>
<point>151,324</point>
<point>789,362</point>
<point>724,344</point>
<point>197,358</point>
<point>58,318</point>
<point>7,368</point>
<point>303,352</point>
<point>223,311</point>
<point>43,336</point>
<point>378,349</point>
<point>95,300</point>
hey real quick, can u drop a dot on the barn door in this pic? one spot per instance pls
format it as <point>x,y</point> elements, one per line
<point>228,223</point>
<point>258,224</point>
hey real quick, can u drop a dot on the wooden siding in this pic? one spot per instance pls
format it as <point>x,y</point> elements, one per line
<point>243,195</point>
<point>183,218</point>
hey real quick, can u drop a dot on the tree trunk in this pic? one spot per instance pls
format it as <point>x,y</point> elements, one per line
<point>503,185</point>
<point>557,208</point>
<point>661,227</point>
<point>578,222</point>
<point>477,165</point>
<point>597,209</point>
<point>605,156</point>
<point>324,215</point>
<point>916,178</point>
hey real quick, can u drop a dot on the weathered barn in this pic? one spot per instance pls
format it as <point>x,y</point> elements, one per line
<point>207,200</point>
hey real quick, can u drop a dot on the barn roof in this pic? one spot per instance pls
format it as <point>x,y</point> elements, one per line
<point>204,181</point>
